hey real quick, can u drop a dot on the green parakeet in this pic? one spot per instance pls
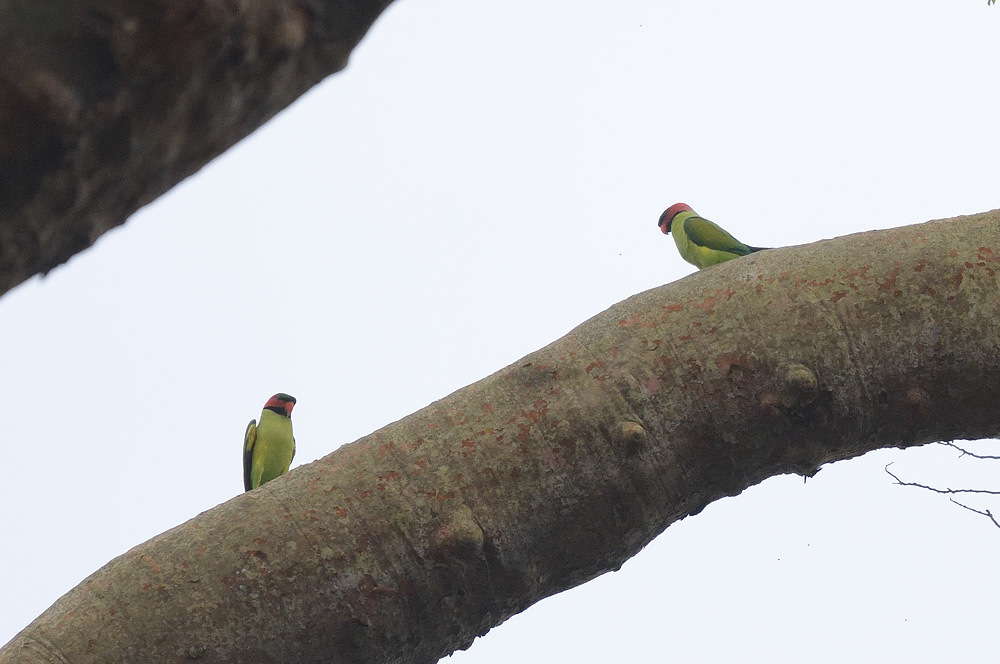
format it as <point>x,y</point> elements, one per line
<point>701,242</point>
<point>269,447</point>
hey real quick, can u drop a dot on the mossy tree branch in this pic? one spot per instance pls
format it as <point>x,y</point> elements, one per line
<point>410,542</point>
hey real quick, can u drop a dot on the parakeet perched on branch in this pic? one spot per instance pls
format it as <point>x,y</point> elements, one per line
<point>699,241</point>
<point>269,447</point>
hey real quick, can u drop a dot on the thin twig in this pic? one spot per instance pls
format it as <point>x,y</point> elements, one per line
<point>935,489</point>
<point>985,513</point>
<point>966,452</point>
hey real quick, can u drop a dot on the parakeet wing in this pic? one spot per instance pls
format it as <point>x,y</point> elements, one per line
<point>249,440</point>
<point>293,451</point>
<point>707,234</point>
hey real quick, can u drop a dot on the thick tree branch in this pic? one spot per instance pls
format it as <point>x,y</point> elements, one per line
<point>406,544</point>
<point>106,104</point>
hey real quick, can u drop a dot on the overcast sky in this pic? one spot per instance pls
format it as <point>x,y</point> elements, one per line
<point>482,178</point>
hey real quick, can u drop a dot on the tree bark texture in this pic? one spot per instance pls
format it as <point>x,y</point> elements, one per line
<point>106,104</point>
<point>410,542</point>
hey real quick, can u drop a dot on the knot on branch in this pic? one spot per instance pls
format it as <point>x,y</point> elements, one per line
<point>632,437</point>
<point>460,537</point>
<point>797,386</point>
<point>800,385</point>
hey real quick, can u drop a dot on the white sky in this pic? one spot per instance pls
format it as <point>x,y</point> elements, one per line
<point>483,177</point>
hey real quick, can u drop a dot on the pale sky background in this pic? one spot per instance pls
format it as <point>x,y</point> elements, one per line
<point>482,178</point>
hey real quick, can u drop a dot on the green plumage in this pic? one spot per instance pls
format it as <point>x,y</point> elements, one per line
<point>269,447</point>
<point>699,241</point>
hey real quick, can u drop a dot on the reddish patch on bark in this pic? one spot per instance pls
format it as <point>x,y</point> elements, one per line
<point>635,321</point>
<point>727,361</point>
<point>708,304</point>
<point>340,512</point>
<point>487,408</point>
<point>838,296</point>
<point>952,253</point>
<point>596,364</point>
<point>888,282</point>
<point>927,290</point>
<point>259,540</point>
<point>440,496</point>
<point>919,266</point>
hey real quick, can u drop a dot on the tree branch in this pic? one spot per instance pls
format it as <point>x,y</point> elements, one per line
<point>935,489</point>
<point>966,452</point>
<point>106,104</point>
<point>988,514</point>
<point>410,542</point>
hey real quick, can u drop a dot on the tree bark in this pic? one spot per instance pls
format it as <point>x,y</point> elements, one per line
<point>106,104</point>
<point>410,542</point>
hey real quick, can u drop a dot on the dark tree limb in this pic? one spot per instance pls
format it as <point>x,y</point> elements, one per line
<point>106,104</point>
<point>410,542</point>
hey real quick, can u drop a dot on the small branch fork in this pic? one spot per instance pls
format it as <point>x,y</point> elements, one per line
<point>966,452</point>
<point>987,513</point>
